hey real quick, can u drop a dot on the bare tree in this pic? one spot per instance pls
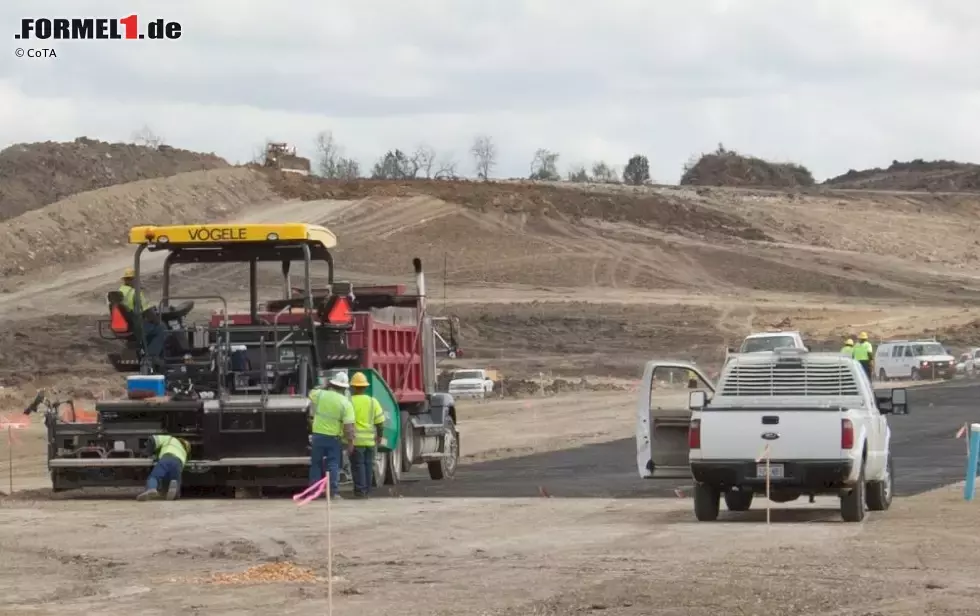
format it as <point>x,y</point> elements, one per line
<point>445,169</point>
<point>348,169</point>
<point>604,173</point>
<point>146,137</point>
<point>484,156</point>
<point>259,151</point>
<point>544,166</point>
<point>328,153</point>
<point>425,158</point>
<point>578,175</point>
<point>395,165</point>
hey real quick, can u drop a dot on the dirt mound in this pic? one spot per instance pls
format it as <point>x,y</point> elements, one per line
<point>33,175</point>
<point>75,228</point>
<point>729,168</point>
<point>918,174</point>
<point>537,200</point>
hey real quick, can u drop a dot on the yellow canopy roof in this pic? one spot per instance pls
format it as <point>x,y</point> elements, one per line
<point>228,233</point>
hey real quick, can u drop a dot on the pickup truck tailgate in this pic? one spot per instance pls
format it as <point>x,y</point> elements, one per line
<point>810,434</point>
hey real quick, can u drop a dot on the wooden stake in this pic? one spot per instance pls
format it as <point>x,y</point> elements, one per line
<point>10,458</point>
<point>329,552</point>
<point>768,502</point>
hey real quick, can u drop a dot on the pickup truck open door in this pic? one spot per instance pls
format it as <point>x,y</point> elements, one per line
<point>663,416</point>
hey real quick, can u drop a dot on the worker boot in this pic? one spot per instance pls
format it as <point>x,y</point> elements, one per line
<point>173,490</point>
<point>146,495</point>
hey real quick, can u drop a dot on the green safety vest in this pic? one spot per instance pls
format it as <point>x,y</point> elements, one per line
<point>847,350</point>
<point>863,351</point>
<point>331,411</point>
<point>129,298</point>
<point>169,445</point>
<point>367,414</point>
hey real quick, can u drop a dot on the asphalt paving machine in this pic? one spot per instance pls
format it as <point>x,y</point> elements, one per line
<point>236,386</point>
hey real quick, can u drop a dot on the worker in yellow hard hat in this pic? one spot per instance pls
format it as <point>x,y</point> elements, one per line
<point>153,329</point>
<point>129,291</point>
<point>864,353</point>
<point>369,425</point>
<point>848,348</point>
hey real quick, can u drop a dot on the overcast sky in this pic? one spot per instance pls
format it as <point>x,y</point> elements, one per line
<point>830,84</point>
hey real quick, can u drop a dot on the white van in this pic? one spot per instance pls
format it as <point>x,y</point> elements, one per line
<point>913,359</point>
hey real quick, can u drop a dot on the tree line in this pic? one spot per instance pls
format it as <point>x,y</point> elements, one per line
<point>423,162</point>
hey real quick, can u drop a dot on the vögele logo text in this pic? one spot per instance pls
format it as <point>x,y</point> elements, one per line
<point>129,27</point>
<point>205,234</point>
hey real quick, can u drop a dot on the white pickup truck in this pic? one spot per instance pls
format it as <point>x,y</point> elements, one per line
<point>472,383</point>
<point>815,414</point>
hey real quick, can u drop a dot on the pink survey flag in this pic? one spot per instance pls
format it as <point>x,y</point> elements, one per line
<point>313,492</point>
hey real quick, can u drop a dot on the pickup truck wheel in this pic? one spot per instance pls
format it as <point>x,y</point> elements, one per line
<point>707,502</point>
<point>915,374</point>
<point>879,497</point>
<point>882,376</point>
<point>852,503</point>
<point>738,501</point>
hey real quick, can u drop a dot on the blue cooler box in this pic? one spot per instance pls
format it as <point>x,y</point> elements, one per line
<point>152,384</point>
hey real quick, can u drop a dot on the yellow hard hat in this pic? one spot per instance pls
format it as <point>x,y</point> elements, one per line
<point>359,380</point>
<point>129,273</point>
<point>863,336</point>
<point>849,342</point>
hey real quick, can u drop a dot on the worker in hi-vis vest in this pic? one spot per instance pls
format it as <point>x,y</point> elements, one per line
<point>848,348</point>
<point>369,425</point>
<point>153,329</point>
<point>864,353</point>
<point>171,456</point>
<point>333,418</point>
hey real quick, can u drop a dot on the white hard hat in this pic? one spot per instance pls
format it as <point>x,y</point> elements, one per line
<point>339,380</point>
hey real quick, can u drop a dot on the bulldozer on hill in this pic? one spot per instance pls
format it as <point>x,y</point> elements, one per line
<point>280,156</point>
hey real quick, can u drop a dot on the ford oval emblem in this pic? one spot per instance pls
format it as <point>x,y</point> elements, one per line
<point>770,436</point>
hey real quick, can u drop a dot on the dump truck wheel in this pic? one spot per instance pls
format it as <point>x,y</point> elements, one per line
<point>393,475</point>
<point>406,449</point>
<point>445,467</point>
<point>379,476</point>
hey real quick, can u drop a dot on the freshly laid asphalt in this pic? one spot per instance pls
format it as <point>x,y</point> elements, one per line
<point>926,454</point>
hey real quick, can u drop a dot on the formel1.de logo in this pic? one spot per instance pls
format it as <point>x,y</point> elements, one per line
<point>130,27</point>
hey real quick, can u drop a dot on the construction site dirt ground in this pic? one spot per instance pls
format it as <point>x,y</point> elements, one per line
<point>479,544</point>
<point>547,282</point>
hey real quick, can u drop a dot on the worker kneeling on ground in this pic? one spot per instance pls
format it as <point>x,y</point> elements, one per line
<point>848,348</point>
<point>333,417</point>
<point>369,425</point>
<point>153,329</point>
<point>864,353</point>
<point>171,456</point>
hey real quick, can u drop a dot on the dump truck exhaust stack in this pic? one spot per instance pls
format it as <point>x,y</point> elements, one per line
<point>419,282</point>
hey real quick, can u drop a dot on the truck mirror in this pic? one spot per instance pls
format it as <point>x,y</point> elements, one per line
<point>696,400</point>
<point>900,402</point>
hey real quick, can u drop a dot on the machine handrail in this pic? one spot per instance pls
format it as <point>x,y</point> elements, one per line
<point>221,353</point>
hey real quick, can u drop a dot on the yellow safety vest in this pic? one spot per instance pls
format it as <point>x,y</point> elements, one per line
<point>847,350</point>
<point>367,414</point>
<point>331,410</point>
<point>863,351</point>
<point>169,445</point>
<point>129,298</point>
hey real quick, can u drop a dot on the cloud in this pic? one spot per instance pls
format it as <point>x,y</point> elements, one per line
<point>829,83</point>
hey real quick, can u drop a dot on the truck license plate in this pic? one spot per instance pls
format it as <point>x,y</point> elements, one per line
<point>775,471</point>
